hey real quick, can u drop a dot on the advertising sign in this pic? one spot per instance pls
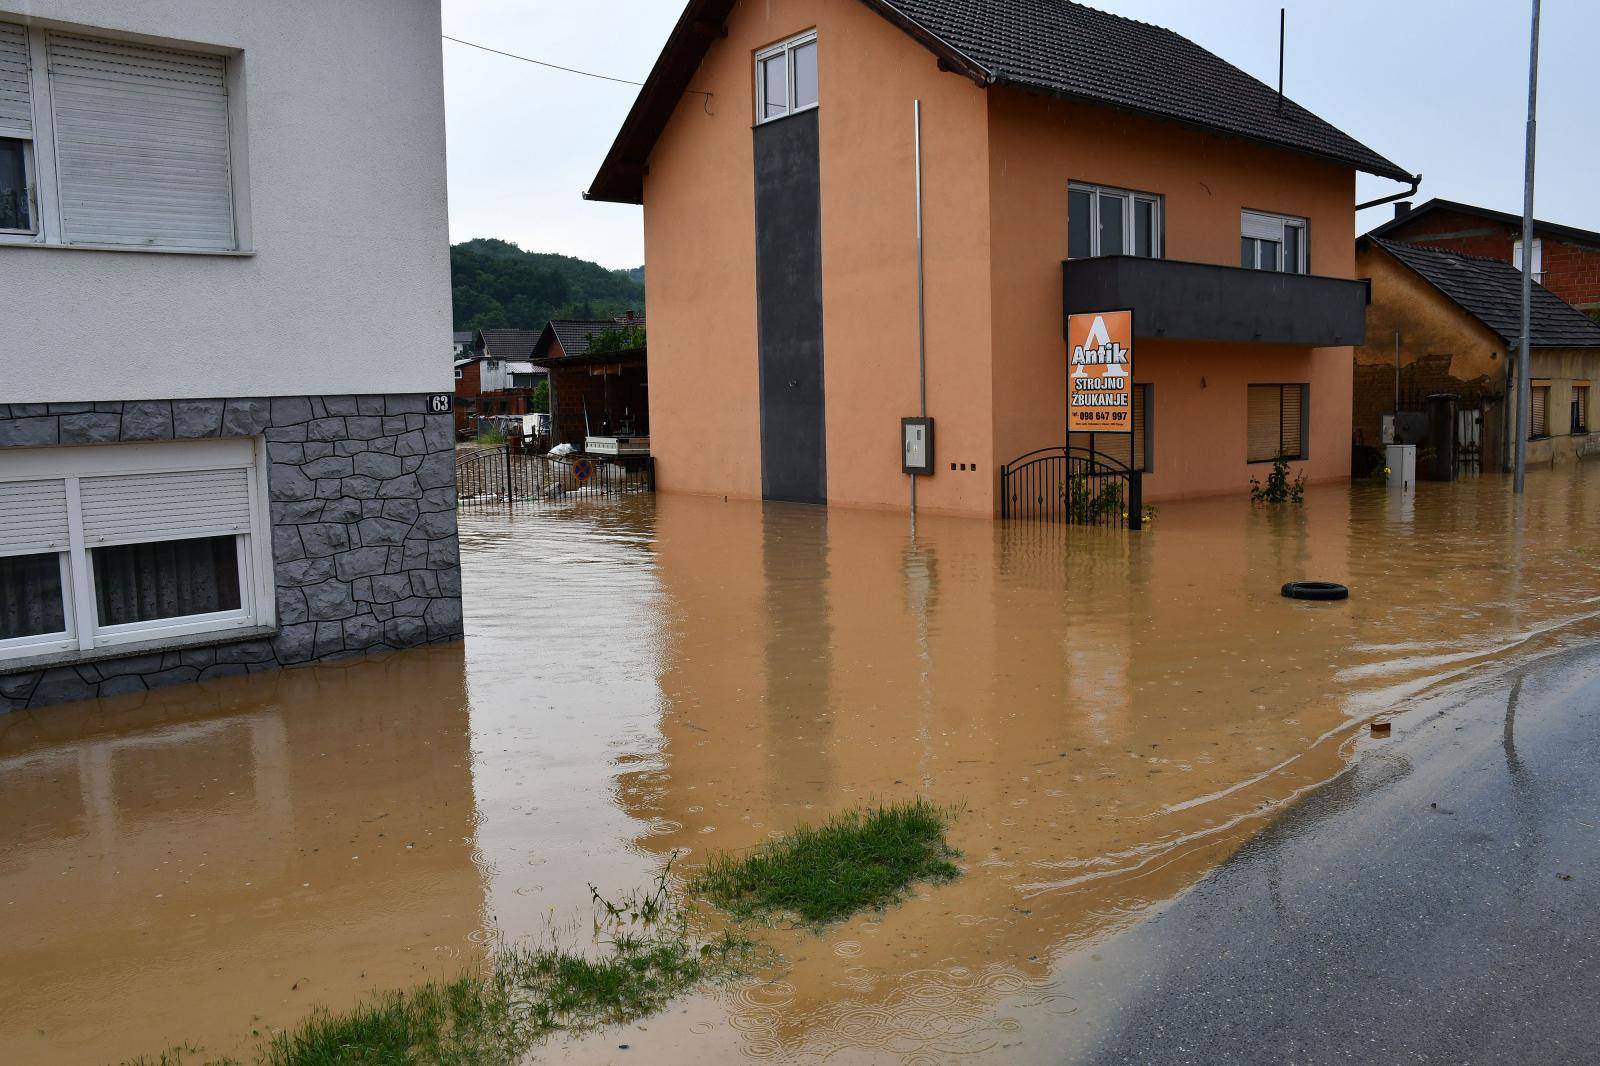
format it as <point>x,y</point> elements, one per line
<point>1100,372</point>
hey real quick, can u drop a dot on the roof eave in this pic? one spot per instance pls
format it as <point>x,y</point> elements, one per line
<point>1394,171</point>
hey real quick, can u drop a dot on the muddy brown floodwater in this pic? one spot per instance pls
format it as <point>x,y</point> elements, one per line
<point>1116,714</point>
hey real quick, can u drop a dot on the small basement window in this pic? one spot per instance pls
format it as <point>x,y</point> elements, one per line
<point>1580,407</point>
<point>123,544</point>
<point>1279,417</point>
<point>786,78</point>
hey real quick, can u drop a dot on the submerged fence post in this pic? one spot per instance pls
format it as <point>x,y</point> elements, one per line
<point>1136,501</point>
<point>508,475</point>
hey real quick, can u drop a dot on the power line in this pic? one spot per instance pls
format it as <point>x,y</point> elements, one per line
<point>555,66</point>
<point>540,62</point>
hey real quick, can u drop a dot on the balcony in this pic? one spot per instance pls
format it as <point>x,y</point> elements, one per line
<point>1203,302</point>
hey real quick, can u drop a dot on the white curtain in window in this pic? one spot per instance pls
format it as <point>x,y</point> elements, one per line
<point>141,144</point>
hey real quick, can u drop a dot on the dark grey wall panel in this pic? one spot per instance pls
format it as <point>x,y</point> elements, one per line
<point>794,440</point>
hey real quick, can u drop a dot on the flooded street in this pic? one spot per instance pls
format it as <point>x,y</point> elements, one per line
<point>1113,713</point>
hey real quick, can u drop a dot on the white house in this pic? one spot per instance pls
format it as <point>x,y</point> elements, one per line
<point>216,216</point>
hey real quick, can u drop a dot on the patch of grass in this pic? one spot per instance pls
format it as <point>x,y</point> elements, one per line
<point>645,955</point>
<point>859,860</point>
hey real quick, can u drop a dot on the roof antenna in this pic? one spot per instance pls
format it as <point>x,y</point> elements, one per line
<point>1283,29</point>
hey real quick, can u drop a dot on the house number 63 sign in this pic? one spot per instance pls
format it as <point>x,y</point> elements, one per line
<point>441,403</point>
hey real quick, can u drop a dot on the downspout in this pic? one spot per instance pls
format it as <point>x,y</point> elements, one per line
<point>1416,181</point>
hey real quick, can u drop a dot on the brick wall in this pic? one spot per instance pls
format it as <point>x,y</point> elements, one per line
<point>1571,271</point>
<point>363,517</point>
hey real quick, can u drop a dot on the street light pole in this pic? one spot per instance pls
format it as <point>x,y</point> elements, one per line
<point>1524,391</point>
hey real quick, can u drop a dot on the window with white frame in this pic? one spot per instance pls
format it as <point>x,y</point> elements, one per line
<point>1106,221</point>
<point>107,142</point>
<point>124,544</point>
<point>1274,242</point>
<point>1516,257</point>
<point>786,78</point>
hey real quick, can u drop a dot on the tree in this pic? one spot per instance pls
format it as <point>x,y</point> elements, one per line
<point>497,285</point>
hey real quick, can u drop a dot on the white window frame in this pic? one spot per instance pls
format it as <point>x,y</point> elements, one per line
<point>48,228</point>
<point>257,595</point>
<point>1265,220</point>
<point>1538,257</point>
<point>784,49</point>
<point>1130,201</point>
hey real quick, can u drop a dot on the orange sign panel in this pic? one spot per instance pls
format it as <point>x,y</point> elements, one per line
<point>1100,372</point>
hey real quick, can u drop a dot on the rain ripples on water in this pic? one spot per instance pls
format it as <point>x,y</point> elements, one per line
<point>1113,714</point>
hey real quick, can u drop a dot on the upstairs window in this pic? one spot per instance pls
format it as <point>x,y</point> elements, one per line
<point>786,78</point>
<point>111,143</point>
<point>1538,258</point>
<point>1274,242</point>
<point>1105,221</point>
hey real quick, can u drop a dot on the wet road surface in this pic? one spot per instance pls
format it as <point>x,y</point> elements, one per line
<point>1117,714</point>
<point>1435,904</point>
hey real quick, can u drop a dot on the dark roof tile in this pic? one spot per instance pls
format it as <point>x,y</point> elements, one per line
<point>1048,46</point>
<point>1491,292</point>
<point>509,343</point>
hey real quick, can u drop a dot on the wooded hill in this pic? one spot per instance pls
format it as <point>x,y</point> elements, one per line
<point>497,285</point>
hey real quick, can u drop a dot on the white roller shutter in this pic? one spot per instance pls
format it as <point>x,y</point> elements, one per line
<point>139,508</point>
<point>141,144</point>
<point>16,105</point>
<point>1261,227</point>
<point>33,517</point>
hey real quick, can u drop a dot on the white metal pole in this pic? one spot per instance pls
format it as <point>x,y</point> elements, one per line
<point>1524,393</point>
<point>922,326</point>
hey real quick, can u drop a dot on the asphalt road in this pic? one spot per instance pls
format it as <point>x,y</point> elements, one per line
<point>1438,903</point>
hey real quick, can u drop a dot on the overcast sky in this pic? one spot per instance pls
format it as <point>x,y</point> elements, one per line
<point>1438,86</point>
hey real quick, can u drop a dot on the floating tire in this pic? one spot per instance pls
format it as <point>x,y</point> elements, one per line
<point>1315,590</point>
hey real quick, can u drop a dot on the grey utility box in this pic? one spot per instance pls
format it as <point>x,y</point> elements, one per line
<point>1401,459</point>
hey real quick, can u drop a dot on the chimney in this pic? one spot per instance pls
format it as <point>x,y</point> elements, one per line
<point>1402,209</point>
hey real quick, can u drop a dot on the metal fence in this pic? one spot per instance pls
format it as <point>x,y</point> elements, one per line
<point>1073,486</point>
<point>500,479</point>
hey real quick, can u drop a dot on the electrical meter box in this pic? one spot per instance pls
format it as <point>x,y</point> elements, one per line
<point>1401,459</point>
<point>916,445</point>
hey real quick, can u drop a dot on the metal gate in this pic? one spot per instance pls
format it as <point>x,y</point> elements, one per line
<point>499,479</point>
<point>1074,486</point>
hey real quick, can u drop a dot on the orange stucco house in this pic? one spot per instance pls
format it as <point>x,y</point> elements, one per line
<point>1070,161</point>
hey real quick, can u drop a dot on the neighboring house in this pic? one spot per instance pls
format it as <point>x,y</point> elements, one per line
<point>506,345</point>
<point>1566,260</point>
<point>496,377</point>
<point>781,227</point>
<point>1458,318</point>
<point>461,343</point>
<point>209,485</point>
<point>598,394</point>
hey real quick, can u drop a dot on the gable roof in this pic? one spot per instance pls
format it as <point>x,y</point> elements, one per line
<point>1491,292</point>
<point>573,335</point>
<point>1582,236</point>
<point>508,343</point>
<point>1053,47</point>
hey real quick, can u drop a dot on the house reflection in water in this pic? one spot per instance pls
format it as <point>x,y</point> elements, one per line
<point>1104,710</point>
<point>177,865</point>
